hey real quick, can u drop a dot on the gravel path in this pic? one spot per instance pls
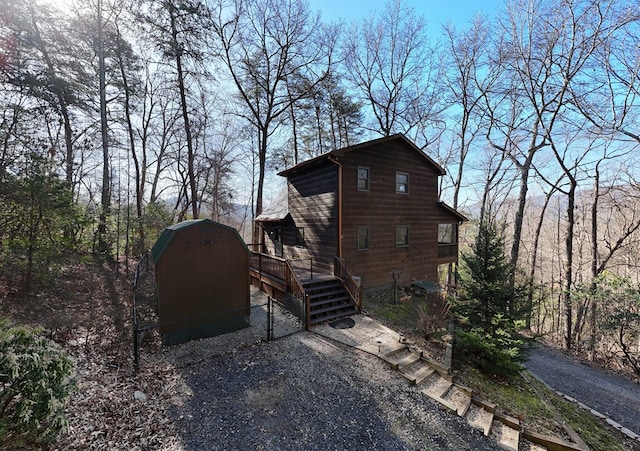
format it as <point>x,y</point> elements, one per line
<point>307,392</point>
<point>609,394</point>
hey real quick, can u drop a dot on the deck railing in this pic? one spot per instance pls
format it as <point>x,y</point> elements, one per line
<point>273,266</point>
<point>447,251</point>
<point>279,268</point>
<point>351,285</point>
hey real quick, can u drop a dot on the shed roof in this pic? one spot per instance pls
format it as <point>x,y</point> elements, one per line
<point>168,233</point>
<point>455,213</point>
<point>340,152</point>
<point>277,210</point>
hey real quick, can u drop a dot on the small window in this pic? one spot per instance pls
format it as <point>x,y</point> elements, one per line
<point>402,236</point>
<point>402,182</point>
<point>300,236</point>
<point>363,178</point>
<point>363,238</point>
<point>446,234</point>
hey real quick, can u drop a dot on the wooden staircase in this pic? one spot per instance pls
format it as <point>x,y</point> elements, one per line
<point>328,300</point>
<point>434,380</point>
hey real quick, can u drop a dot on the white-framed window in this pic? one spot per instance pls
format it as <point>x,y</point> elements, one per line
<point>402,183</point>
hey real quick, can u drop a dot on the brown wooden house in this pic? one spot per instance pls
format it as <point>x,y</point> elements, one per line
<point>372,207</point>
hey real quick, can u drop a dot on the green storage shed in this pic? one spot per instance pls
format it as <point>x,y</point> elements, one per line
<point>202,277</point>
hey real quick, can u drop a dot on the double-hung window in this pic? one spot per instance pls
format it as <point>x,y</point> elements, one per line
<point>402,183</point>
<point>363,178</point>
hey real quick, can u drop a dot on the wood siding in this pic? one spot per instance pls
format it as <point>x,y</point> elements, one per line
<point>203,282</point>
<point>312,206</point>
<point>381,209</point>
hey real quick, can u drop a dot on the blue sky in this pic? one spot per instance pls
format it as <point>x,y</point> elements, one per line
<point>436,12</point>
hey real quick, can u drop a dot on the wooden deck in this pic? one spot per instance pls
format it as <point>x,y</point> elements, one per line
<point>323,296</point>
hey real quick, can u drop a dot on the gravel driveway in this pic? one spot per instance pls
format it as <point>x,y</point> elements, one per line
<point>609,394</point>
<point>307,392</point>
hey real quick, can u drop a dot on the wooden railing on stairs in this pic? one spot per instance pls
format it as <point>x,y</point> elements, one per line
<point>279,268</point>
<point>350,284</point>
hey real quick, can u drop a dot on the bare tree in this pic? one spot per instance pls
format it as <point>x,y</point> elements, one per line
<point>177,27</point>
<point>468,80</point>
<point>389,62</point>
<point>267,46</point>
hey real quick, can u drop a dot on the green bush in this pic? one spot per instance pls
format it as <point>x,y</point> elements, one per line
<point>35,384</point>
<point>499,351</point>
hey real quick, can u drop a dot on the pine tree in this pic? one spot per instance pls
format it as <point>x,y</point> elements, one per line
<point>489,308</point>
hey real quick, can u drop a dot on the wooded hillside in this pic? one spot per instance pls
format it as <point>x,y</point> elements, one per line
<point>120,117</point>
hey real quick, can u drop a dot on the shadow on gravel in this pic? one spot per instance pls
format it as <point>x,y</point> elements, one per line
<point>302,392</point>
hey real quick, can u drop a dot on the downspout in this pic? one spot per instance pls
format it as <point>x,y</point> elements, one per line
<point>334,160</point>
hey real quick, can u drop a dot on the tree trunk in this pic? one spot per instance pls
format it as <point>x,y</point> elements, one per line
<point>594,263</point>
<point>568,283</point>
<point>185,118</point>
<point>103,242</point>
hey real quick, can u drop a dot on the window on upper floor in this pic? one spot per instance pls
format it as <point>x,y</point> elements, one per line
<point>402,183</point>
<point>363,238</point>
<point>402,236</point>
<point>447,234</point>
<point>363,178</point>
<point>300,236</point>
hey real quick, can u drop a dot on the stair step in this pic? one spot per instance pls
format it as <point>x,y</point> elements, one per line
<point>330,308</point>
<point>420,374</point>
<point>460,399</point>
<point>323,318</point>
<point>479,418</point>
<point>322,285</point>
<point>406,361</point>
<point>438,388</point>
<point>507,437</point>
<point>325,293</point>
<point>343,299</point>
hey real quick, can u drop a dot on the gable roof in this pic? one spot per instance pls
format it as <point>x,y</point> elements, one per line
<point>340,152</point>
<point>168,233</point>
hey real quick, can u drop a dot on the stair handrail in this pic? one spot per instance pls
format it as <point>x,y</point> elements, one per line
<point>294,286</point>
<point>350,284</point>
